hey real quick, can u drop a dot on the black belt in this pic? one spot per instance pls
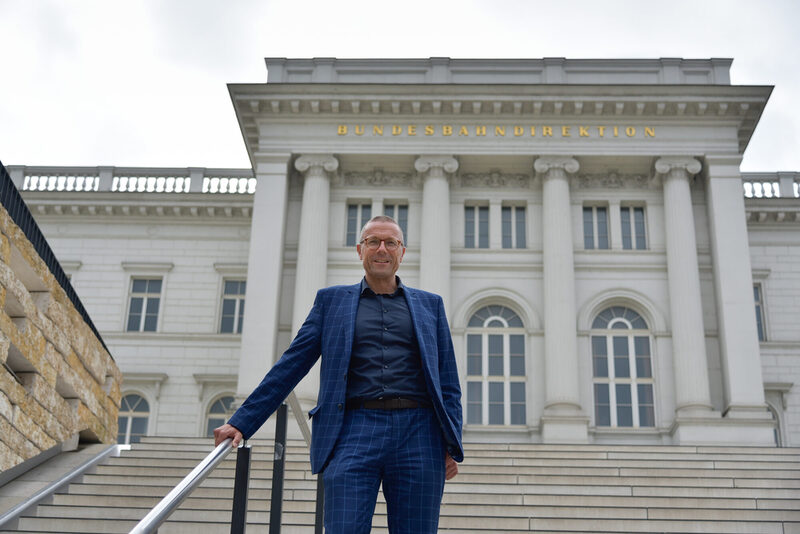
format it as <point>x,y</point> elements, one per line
<point>386,404</point>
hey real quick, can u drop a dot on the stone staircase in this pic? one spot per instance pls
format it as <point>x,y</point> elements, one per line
<point>501,488</point>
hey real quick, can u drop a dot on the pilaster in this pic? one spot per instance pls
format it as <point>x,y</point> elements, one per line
<point>264,272</point>
<point>434,262</point>
<point>563,419</point>
<point>733,283</point>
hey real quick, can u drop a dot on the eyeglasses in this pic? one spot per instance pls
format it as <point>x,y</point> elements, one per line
<point>373,243</point>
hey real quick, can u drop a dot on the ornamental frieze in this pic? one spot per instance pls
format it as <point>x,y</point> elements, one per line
<point>378,177</point>
<point>616,180</point>
<point>495,179</point>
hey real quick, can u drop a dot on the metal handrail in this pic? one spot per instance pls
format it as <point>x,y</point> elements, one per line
<point>299,416</point>
<point>174,498</point>
<point>50,489</point>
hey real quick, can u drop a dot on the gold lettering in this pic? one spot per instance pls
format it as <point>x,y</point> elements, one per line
<point>377,130</point>
<point>616,131</point>
<point>583,131</point>
<point>649,132</point>
<point>359,129</point>
<point>342,130</point>
<point>480,130</point>
<point>428,130</point>
<point>397,129</point>
<point>547,131</point>
<point>463,131</point>
<point>601,130</point>
<point>565,131</point>
<point>630,131</point>
<point>447,130</point>
<point>533,131</point>
<point>500,130</point>
<point>518,130</point>
<point>412,129</point>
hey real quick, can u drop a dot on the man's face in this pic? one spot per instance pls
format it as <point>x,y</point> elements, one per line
<point>381,263</point>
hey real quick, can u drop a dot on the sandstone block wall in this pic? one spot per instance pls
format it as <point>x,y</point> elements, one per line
<point>56,380</point>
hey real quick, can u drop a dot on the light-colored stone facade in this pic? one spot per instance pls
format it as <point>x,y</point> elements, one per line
<point>440,136</point>
<point>58,382</point>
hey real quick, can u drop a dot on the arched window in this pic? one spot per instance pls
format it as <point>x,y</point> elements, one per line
<point>495,367</point>
<point>622,369</point>
<point>134,412</point>
<point>220,411</point>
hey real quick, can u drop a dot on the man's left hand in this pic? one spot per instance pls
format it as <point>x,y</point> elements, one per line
<point>450,467</point>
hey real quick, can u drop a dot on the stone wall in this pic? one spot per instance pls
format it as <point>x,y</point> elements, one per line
<point>57,380</point>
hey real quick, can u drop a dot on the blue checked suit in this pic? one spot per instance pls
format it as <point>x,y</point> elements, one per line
<point>328,332</point>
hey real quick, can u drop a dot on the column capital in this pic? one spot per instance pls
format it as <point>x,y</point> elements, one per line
<point>424,164</point>
<point>669,164</point>
<point>545,164</point>
<point>324,161</point>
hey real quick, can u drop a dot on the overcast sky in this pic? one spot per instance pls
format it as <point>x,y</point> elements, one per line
<point>143,83</point>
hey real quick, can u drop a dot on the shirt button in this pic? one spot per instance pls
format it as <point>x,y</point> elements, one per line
<point>339,406</point>
<point>385,366</point>
<point>386,328</point>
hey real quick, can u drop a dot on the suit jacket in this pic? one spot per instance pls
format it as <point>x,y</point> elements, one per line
<point>328,332</point>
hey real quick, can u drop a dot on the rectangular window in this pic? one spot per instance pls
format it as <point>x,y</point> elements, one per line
<point>633,233</point>
<point>357,217</point>
<point>595,227</point>
<point>474,354</point>
<point>398,212</point>
<point>232,307</point>
<point>513,218</point>
<point>517,399</point>
<point>759,301</point>
<point>144,300</point>
<point>476,226</point>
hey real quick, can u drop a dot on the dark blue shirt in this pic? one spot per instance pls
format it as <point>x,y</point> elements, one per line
<point>385,362</point>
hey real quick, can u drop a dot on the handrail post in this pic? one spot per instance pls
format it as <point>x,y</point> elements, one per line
<point>278,465</point>
<point>240,487</point>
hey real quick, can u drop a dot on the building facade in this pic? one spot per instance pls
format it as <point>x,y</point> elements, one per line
<point>609,274</point>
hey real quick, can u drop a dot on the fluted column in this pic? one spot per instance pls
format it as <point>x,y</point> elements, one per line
<point>264,271</point>
<point>312,252</point>
<point>743,384</point>
<point>692,395</point>
<point>563,419</point>
<point>434,254</point>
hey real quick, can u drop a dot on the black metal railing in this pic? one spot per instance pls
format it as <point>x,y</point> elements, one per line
<point>21,215</point>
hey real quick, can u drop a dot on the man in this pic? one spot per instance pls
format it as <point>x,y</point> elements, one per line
<point>389,404</point>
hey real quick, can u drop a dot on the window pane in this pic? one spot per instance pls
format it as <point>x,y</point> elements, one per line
<point>599,357</point>
<point>139,286</point>
<point>231,287</point>
<point>517,349</point>
<point>520,222</point>
<point>496,355</point>
<point>621,364</point>
<point>496,403</point>
<point>517,393</point>
<point>402,220</point>
<point>122,428</point>
<point>154,286</point>
<point>139,426</point>
<point>602,228</point>
<point>366,214</point>
<point>228,306</point>
<point>602,408</point>
<point>506,227</point>
<point>642,347</point>
<point>226,325</point>
<point>474,403</point>
<point>212,424</point>
<point>638,220</point>
<point>646,405</point>
<point>136,305</point>
<point>150,323</point>
<point>352,223</point>
<point>474,355</point>
<point>624,408</point>
<point>483,227</point>
<point>152,305</point>
<point>588,229</point>
<point>625,218</point>
<point>469,227</point>
<point>133,322</point>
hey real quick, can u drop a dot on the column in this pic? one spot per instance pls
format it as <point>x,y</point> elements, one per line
<point>312,253</point>
<point>264,272</point>
<point>743,384</point>
<point>563,420</point>
<point>434,253</point>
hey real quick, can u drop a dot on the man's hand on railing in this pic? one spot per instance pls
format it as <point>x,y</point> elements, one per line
<point>221,433</point>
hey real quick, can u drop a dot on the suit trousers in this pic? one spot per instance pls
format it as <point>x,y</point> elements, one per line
<point>402,449</point>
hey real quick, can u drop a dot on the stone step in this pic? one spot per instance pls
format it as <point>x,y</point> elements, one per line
<point>656,526</point>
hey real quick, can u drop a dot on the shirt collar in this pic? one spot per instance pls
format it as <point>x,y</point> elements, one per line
<point>366,289</point>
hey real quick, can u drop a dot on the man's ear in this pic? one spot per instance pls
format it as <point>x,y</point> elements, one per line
<point>358,250</point>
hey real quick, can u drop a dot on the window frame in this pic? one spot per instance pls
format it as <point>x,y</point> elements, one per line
<point>515,241</point>
<point>634,233</point>
<point>130,416</point>
<point>507,379</point>
<point>146,296</point>
<point>760,311</point>
<point>226,415</point>
<point>480,215</point>
<point>240,301</point>
<point>393,209</point>
<point>361,206</point>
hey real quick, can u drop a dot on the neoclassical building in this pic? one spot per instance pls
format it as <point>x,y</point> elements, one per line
<point>609,274</point>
